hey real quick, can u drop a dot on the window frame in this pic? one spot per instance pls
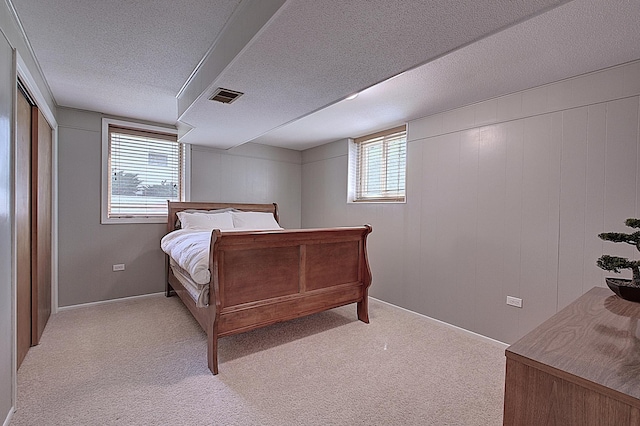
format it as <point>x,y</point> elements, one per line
<point>106,172</point>
<point>356,163</point>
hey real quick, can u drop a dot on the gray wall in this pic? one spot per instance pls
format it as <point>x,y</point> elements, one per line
<point>88,250</point>
<point>504,197</point>
<point>6,224</point>
<point>251,173</point>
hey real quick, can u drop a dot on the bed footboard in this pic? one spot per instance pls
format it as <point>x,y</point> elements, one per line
<point>261,278</point>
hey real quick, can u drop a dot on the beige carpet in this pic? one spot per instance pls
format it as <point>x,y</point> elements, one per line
<point>143,362</point>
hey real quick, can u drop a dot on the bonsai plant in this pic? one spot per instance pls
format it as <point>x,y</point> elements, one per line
<point>627,289</point>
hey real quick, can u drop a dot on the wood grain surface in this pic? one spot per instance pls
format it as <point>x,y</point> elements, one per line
<point>582,366</point>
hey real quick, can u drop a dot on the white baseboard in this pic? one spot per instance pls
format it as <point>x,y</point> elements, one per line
<point>102,302</point>
<point>142,296</point>
<point>7,421</point>
<point>474,334</point>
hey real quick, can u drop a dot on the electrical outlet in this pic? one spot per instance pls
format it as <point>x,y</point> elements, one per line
<point>118,267</point>
<point>514,301</point>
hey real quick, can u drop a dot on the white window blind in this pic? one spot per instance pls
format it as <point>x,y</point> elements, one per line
<point>381,166</point>
<point>146,169</point>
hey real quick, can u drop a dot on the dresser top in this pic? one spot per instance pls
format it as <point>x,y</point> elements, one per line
<point>595,341</point>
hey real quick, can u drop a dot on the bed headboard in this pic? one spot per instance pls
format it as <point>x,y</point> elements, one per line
<point>177,206</point>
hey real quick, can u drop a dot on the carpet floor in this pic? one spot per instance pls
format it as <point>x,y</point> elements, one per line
<point>143,362</point>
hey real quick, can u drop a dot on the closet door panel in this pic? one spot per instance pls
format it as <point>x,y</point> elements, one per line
<point>23,226</point>
<point>41,223</point>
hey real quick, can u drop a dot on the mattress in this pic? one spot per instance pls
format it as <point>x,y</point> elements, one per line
<point>198,292</point>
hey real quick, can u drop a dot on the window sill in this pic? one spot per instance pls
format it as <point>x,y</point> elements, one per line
<point>377,202</point>
<point>132,220</point>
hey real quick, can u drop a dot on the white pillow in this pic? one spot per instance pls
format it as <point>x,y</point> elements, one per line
<point>256,221</point>
<point>178,224</point>
<point>206,221</point>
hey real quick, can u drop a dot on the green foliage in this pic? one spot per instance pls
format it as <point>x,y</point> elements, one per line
<point>123,183</point>
<point>164,189</point>
<point>619,237</point>
<point>632,223</point>
<point>615,263</point>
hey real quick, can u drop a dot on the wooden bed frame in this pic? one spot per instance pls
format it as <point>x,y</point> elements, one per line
<point>264,277</point>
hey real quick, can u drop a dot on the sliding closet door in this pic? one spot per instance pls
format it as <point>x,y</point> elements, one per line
<point>41,155</point>
<point>23,226</point>
<point>33,224</point>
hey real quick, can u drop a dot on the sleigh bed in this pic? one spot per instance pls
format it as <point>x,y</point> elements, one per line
<point>261,277</point>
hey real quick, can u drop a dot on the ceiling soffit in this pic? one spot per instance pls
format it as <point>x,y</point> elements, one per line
<point>311,54</point>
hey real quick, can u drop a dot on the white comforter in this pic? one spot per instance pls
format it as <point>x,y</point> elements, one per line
<point>189,248</point>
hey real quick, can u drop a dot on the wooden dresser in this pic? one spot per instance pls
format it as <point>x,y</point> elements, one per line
<point>580,367</point>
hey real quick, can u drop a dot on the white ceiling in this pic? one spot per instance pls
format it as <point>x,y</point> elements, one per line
<point>296,60</point>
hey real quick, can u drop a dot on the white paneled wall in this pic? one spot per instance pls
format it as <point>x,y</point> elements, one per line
<point>504,197</point>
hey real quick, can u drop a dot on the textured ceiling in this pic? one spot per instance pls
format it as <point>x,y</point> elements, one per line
<point>295,60</point>
<point>123,57</point>
<point>573,39</point>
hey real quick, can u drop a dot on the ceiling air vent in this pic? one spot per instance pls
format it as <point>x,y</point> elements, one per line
<point>225,96</point>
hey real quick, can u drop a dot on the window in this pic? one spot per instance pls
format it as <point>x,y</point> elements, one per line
<point>143,167</point>
<point>378,167</point>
